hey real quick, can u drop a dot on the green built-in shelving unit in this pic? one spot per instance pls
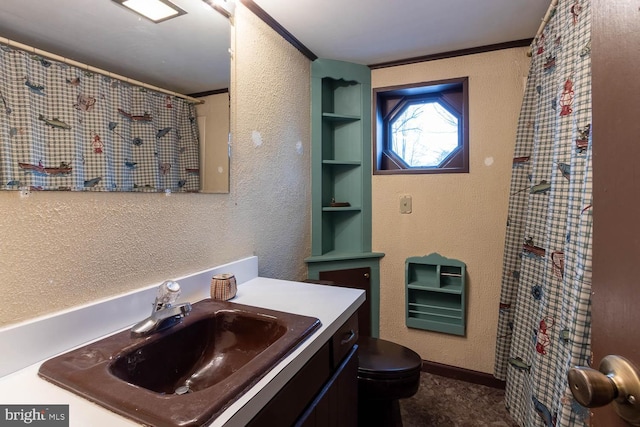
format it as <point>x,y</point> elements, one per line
<point>341,172</point>
<point>436,294</point>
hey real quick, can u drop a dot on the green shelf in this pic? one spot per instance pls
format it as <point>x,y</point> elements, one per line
<point>423,286</point>
<point>435,294</point>
<point>342,162</point>
<point>341,172</point>
<point>420,313</point>
<point>333,256</point>
<point>340,157</point>
<point>340,208</point>
<point>340,117</point>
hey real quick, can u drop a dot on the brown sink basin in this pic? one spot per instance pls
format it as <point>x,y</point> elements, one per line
<point>186,375</point>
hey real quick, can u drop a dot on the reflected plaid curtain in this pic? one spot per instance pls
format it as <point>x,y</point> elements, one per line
<point>544,320</point>
<point>64,128</point>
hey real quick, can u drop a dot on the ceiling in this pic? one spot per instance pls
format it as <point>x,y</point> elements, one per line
<point>189,54</point>
<point>376,31</point>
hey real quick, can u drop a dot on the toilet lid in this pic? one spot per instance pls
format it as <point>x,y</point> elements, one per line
<point>379,358</point>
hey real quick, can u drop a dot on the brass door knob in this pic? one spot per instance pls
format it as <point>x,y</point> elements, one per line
<point>591,388</point>
<point>617,380</point>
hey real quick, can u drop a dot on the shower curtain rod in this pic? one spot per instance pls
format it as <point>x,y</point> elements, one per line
<point>92,69</point>
<point>547,17</point>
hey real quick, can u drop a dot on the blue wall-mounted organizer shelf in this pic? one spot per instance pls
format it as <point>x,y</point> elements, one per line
<point>436,294</point>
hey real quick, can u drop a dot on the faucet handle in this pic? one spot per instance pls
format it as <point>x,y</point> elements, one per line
<point>168,293</point>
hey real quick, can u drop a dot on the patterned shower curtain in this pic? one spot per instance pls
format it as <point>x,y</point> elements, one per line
<point>544,320</point>
<point>65,128</point>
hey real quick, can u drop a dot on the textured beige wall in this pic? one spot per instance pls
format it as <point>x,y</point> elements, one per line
<point>270,152</point>
<point>460,216</point>
<point>213,124</point>
<point>59,249</point>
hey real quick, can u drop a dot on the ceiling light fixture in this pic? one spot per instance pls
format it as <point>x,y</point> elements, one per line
<point>154,10</point>
<point>225,7</point>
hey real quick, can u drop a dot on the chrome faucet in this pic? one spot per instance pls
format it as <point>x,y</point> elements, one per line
<point>163,314</point>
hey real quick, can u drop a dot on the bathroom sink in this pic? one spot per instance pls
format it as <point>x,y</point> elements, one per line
<point>186,375</point>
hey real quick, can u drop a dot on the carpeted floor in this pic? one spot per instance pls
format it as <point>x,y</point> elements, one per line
<point>444,402</point>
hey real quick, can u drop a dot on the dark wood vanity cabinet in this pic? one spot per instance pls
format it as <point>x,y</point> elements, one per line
<point>324,392</point>
<point>337,402</point>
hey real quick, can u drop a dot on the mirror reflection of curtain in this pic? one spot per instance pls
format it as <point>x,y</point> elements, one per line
<point>64,128</point>
<point>544,320</point>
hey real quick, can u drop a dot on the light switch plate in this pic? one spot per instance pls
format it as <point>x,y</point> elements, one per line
<point>405,204</point>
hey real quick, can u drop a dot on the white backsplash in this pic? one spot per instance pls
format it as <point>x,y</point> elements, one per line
<point>23,344</point>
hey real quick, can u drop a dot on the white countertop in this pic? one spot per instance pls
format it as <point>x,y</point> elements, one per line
<point>332,305</point>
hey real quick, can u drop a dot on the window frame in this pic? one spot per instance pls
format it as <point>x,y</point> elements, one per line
<point>389,101</point>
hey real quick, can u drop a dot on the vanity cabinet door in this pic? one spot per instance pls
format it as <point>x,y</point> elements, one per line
<point>336,405</point>
<point>324,392</point>
<point>357,278</point>
<point>285,408</point>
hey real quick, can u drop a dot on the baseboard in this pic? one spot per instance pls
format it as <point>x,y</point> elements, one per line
<point>462,374</point>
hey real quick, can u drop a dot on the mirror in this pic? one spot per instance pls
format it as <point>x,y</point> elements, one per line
<point>187,54</point>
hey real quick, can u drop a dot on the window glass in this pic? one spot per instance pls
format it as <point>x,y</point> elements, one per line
<point>424,134</point>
